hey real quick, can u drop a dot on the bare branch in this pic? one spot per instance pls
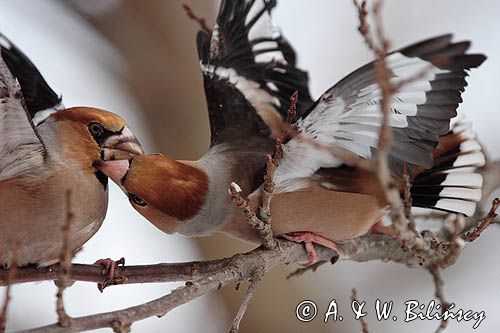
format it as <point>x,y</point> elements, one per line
<point>408,201</point>
<point>362,321</point>
<point>130,274</point>
<point>264,229</point>
<point>272,163</point>
<point>347,156</point>
<point>302,270</point>
<point>364,28</point>
<point>488,219</point>
<point>239,267</point>
<point>439,284</point>
<point>252,288</point>
<point>14,245</point>
<point>201,21</point>
<point>379,46</point>
<point>65,259</point>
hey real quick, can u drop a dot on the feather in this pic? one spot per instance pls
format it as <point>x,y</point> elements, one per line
<point>247,57</point>
<point>348,115</point>
<point>453,184</point>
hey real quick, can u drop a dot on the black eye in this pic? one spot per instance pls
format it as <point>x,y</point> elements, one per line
<point>96,129</point>
<point>137,200</point>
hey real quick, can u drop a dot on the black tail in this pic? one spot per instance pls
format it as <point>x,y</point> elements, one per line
<point>36,92</point>
<point>453,184</point>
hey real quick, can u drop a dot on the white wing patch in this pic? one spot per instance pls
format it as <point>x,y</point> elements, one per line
<point>40,116</point>
<point>265,104</point>
<point>263,28</point>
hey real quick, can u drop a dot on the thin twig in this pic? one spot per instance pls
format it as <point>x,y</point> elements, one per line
<point>302,270</point>
<point>487,220</point>
<point>14,246</point>
<point>408,200</point>
<point>380,46</point>
<point>362,321</point>
<point>364,28</point>
<point>201,21</point>
<point>65,261</point>
<point>345,155</point>
<point>439,293</point>
<point>264,229</point>
<point>252,288</point>
<point>272,163</point>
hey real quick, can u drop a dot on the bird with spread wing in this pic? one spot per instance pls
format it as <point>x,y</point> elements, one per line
<point>249,72</point>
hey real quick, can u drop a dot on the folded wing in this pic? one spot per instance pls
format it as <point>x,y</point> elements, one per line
<point>21,149</point>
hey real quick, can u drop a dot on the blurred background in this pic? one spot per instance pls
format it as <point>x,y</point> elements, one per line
<point>138,59</point>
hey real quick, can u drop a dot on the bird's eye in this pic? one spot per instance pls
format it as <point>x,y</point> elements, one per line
<point>137,200</point>
<point>96,129</point>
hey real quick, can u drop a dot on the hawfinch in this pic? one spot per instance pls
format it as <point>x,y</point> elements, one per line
<point>46,152</point>
<point>249,73</point>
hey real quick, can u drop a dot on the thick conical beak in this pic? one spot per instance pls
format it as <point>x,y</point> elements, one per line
<point>123,146</point>
<point>115,170</point>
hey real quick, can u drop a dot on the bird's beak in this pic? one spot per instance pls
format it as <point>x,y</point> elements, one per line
<point>122,146</point>
<point>116,170</point>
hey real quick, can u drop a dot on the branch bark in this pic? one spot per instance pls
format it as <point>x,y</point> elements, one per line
<point>239,267</point>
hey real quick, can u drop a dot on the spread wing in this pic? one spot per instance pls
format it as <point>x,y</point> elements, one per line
<point>249,72</point>
<point>21,149</point>
<point>348,115</point>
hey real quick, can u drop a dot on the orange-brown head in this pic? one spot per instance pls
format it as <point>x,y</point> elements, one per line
<point>90,136</point>
<point>165,191</point>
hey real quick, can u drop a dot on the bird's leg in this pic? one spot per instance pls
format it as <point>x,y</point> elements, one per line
<point>110,267</point>
<point>309,239</point>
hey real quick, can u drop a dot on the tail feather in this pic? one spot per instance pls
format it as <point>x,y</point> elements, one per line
<point>454,183</point>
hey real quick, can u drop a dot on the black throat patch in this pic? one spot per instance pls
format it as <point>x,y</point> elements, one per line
<point>102,178</point>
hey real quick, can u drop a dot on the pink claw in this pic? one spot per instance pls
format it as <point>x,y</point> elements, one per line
<point>309,238</point>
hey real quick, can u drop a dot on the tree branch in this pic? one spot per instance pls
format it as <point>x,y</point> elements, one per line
<point>264,229</point>
<point>439,293</point>
<point>239,267</point>
<point>65,262</point>
<point>14,245</point>
<point>200,20</point>
<point>362,321</point>
<point>488,219</point>
<point>132,274</point>
<point>252,288</point>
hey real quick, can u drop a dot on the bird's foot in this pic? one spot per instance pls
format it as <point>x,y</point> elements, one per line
<point>309,239</point>
<point>110,267</point>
